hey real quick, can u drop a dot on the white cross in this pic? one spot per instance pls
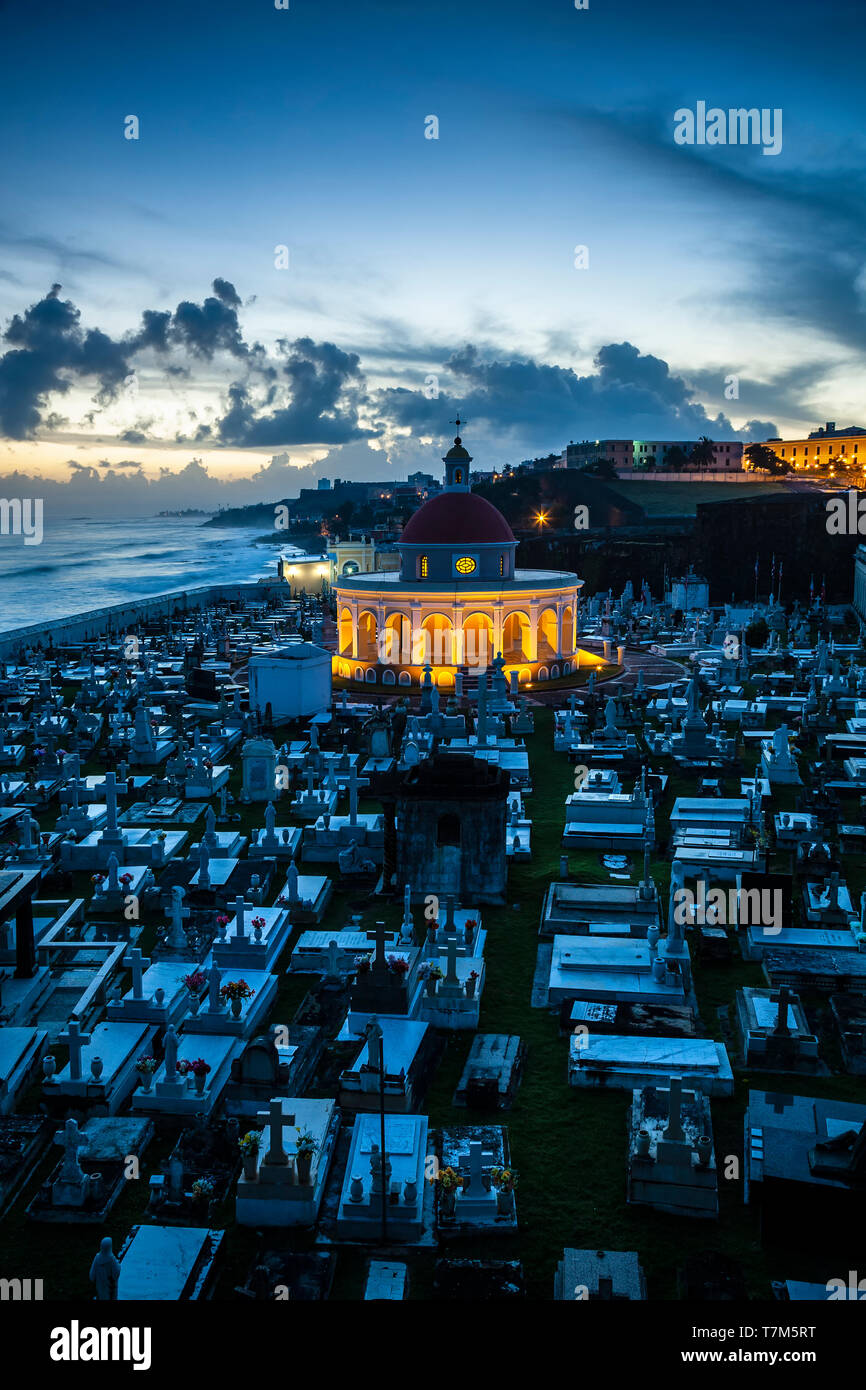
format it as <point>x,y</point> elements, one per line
<point>111,800</point>
<point>240,909</point>
<point>75,1041</point>
<point>277,1122</point>
<point>135,962</point>
<point>72,1140</point>
<point>354,783</point>
<point>479,1159</point>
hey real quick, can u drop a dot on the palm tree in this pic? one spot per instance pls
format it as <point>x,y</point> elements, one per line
<point>676,459</point>
<point>761,458</point>
<point>703,455</point>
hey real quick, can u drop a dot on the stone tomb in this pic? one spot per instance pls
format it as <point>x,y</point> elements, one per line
<point>239,1020</point>
<point>253,939</point>
<point>334,953</point>
<point>452,814</point>
<point>829,904</point>
<point>157,993</point>
<point>274,841</point>
<point>477,1204</point>
<point>608,969</point>
<point>269,1068</point>
<point>110,891</point>
<point>221,844</point>
<point>21,1051</point>
<point>773,1031</point>
<point>284,1187</point>
<point>101,1069</point>
<point>22,1140</point>
<point>454,1001</point>
<point>613,909</point>
<point>174,1264</point>
<point>492,1072</point>
<point>607,1061</point>
<point>597,1276</point>
<point>408,1046</point>
<point>778,764</point>
<point>313,802</point>
<point>614,822</point>
<point>172,1091</point>
<point>407,1214</point>
<point>306,896</point>
<point>392,984</point>
<point>387,1280</point>
<point>807,1154</point>
<point>94,1170</point>
<point>129,844</point>
<point>204,1151</point>
<point>849,1017</point>
<point>326,840</point>
<point>671,1159</point>
<point>628,1020</point>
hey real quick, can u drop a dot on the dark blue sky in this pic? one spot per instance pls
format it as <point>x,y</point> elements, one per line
<point>411,257</point>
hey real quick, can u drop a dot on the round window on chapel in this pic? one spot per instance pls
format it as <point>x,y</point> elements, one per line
<point>465,565</point>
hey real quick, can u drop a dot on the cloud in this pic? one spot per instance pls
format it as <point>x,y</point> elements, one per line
<point>48,350</point>
<point>201,329</point>
<point>316,397</point>
<point>304,392</point>
<point>537,406</point>
<point>226,293</point>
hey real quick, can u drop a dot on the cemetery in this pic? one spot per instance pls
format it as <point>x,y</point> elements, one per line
<point>318,983</point>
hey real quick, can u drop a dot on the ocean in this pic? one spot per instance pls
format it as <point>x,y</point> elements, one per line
<point>86,563</point>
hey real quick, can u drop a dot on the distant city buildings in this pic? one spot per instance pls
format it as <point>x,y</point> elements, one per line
<point>823,446</point>
<point>642,455</point>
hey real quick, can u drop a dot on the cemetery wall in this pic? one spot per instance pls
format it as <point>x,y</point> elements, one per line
<point>119,617</point>
<point>792,526</point>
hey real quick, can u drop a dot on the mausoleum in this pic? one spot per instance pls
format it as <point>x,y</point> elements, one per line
<point>457,599</point>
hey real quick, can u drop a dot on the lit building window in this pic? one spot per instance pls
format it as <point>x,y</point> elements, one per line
<point>423,569</point>
<point>502,564</point>
<point>465,565</point>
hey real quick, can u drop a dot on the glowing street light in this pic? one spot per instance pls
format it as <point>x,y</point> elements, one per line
<point>541,518</point>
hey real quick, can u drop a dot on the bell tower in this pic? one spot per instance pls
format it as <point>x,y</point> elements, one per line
<point>457,462</point>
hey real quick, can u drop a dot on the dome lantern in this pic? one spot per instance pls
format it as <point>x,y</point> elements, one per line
<point>457,462</point>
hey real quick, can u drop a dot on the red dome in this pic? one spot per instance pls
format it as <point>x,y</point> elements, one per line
<point>457,518</point>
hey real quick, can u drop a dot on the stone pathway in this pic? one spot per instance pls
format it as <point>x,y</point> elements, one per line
<point>657,670</point>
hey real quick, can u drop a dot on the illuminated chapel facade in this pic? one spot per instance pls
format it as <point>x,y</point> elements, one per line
<point>457,600</point>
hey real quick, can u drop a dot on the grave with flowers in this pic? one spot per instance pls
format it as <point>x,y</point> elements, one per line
<point>234,1004</point>
<point>199,1174</point>
<point>252,939</point>
<point>190,1078</point>
<point>481,1195</point>
<point>285,1166</point>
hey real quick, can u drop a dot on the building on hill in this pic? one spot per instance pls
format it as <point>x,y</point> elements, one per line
<point>640,455</point>
<point>824,446</point>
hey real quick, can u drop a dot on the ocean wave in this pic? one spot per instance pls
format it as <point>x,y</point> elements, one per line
<point>34,569</point>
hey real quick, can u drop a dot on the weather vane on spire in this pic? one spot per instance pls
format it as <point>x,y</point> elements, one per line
<point>458,422</point>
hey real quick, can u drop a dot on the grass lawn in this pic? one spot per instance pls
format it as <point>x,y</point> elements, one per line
<point>681,499</point>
